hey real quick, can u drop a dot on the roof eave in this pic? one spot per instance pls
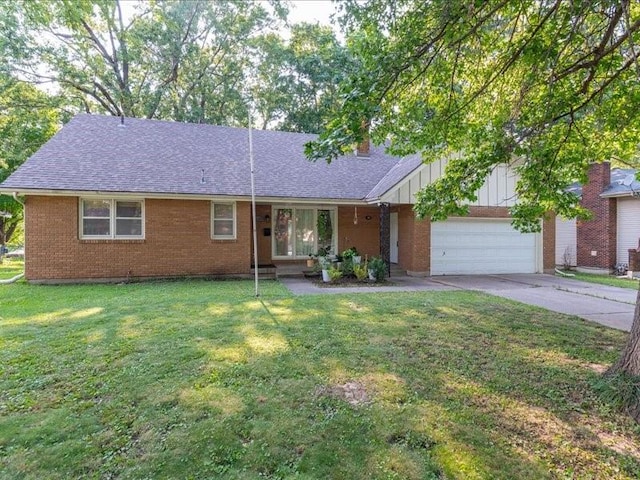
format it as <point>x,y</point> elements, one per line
<point>168,196</point>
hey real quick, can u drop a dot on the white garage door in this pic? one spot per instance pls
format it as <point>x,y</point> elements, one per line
<point>566,242</point>
<point>482,246</point>
<point>628,232</point>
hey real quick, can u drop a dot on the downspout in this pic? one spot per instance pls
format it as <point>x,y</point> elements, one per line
<point>24,213</point>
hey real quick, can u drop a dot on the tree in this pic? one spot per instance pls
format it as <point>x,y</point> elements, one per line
<point>296,81</point>
<point>172,60</point>
<point>548,86</point>
<point>28,118</point>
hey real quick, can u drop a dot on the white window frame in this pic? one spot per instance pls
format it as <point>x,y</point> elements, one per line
<point>315,208</point>
<point>213,220</point>
<point>112,219</point>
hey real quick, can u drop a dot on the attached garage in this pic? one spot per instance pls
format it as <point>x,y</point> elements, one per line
<point>483,246</point>
<point>628,227</point>
<point>566,242</point>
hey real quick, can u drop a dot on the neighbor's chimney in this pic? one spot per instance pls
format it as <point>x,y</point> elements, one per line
<point>364,147</point>
<point>597,237</point>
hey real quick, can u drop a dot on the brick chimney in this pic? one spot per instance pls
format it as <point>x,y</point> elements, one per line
<point>364,147</point>
<point>596,238</point>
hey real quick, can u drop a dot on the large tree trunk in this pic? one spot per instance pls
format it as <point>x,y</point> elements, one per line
<point>628,364</point>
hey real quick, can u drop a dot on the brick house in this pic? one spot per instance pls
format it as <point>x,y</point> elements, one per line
<point>598,244</point>
<point>107,199</point>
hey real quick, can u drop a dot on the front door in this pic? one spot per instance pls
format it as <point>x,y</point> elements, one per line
<point>393,240</point>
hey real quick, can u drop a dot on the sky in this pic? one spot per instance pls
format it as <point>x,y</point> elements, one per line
<point>311,11</point>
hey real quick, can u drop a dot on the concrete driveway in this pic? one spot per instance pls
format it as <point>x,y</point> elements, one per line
<point>610,306</point>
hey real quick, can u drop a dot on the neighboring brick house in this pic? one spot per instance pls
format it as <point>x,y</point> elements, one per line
<point>107,200</point>
<point>599,244</point>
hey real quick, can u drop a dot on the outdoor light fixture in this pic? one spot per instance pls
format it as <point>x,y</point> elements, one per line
<point>267,218</point>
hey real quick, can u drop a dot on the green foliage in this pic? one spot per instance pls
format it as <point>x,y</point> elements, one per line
<point>174,60</point>
<point>360,271</point>
<point>28,118</point>
<point>296,81</point>
<point>621,391</point>
<point>335,273</point>
<point>546,87</point>
<point>350,253</point>
<point>347,266</point>
<point>379,268</point>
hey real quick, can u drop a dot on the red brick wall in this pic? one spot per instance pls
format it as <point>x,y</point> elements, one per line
<point>549,243</point>
<point>414,241</point>
<point>178,242</point>
<point>598,234</point>
<point>365,236</point>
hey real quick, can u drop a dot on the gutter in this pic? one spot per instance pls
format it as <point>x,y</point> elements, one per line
<point>185,196</point>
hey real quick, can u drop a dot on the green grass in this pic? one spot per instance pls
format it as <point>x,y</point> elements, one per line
<point>10,267</point>
<point>197,379</point>
<point>607,280</point>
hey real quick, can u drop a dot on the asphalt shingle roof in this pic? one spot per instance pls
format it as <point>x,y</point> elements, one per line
<point>97,153</point>
<point>623,182</point>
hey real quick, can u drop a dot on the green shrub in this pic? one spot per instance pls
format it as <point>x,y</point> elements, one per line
<point>334,274</point>
<point>379,268</point>
<point>360,271</point>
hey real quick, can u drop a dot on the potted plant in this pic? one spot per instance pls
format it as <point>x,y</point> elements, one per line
<point>377,269</point>
<point>325,265</point>
<point>353,255</point>
<point>311,260</point>
<point>321,255</point>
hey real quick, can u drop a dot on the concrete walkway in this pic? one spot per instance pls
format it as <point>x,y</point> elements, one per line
<point>610,306</point>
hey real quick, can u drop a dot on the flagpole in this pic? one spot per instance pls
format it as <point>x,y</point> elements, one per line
<point>253,208</point>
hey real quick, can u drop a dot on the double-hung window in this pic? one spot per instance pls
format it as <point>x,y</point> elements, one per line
<point>223,220</point>
<point>111,219</point>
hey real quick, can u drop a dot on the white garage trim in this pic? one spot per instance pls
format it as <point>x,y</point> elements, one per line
<point>628,227</point>
<point>483,246</point>
<point>566,242</point>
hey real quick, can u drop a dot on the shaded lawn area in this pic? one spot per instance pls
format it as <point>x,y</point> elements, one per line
<point>197,379</point>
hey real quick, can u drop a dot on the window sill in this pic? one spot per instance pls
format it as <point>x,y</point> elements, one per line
<point>112,240</point>
<point>224,240</point>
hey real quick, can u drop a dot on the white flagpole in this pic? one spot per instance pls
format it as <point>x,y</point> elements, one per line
<point>253,209</point>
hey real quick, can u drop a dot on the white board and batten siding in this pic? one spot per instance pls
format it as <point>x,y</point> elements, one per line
<point>628,227</point>
<point>483,246</point>
<point>566,242</point>
<point>497,191</point>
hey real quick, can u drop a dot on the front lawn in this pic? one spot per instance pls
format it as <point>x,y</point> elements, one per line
<point>197,379</point>
<point>607,280</point>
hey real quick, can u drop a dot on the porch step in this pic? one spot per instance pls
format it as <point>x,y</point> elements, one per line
<point>397,271</point>
<point>265,272</point>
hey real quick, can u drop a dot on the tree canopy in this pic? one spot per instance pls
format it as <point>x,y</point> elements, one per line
<point>28,118</point>
<point>548,86</point>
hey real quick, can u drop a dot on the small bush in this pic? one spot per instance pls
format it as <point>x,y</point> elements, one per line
<point>621,391</point>
<point>360,271</point>
<point>379,268</point>
<point>334,274</point>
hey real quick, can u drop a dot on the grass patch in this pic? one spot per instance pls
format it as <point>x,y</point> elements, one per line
<point>10,267</point>
<point>607,280</point>
<point>197,379</point>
